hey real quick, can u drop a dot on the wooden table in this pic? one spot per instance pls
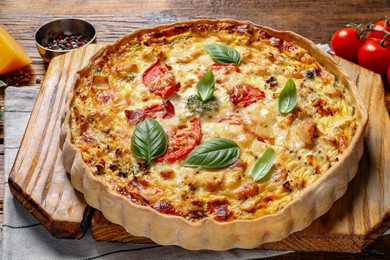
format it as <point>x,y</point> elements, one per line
<point>314,20</point>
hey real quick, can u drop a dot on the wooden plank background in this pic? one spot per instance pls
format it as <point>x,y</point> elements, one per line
<point>316,20</point>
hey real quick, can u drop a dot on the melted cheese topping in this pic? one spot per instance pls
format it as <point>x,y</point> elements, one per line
<point>307,141</point>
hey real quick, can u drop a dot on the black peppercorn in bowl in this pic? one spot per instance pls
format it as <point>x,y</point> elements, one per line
<point>63,35</point>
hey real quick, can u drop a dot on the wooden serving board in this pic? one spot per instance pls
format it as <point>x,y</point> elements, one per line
<point>41,184</point>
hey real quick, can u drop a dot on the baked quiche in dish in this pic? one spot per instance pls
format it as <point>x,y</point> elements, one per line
<point>212,134</point>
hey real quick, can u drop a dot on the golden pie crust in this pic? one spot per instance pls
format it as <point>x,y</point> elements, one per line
<point>208,232</point>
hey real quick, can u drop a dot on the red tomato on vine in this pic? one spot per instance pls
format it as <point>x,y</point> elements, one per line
<point>373,56</point>
<point>379,25</point>
<point>346,44</point>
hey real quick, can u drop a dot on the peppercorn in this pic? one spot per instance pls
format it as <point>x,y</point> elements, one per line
<point>66,42</point>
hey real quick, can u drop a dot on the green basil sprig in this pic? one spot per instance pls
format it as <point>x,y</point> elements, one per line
<point>223,54</point>
<point>149,140</point>
<point>215,153</point>
<point>263,164</point>
<point>288,97</point>
<point>205,86</point>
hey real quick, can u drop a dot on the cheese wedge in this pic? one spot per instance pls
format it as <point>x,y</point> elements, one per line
<point>12,55</point>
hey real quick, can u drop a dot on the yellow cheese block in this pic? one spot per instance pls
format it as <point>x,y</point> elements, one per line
<point>12,55</point>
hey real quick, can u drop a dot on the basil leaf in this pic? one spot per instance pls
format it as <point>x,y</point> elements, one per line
<point>215,153</point>
<point>223,54</point>
<point>3,84</point>
<point>288,97</point>
<point>149,140</point>
<point>205,86</point>
<point>263,164</point>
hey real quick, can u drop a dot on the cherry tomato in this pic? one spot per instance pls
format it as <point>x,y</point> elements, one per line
<point>379,26</point>
<point>374,57</point>
<point>388,75</point>
<point>345,43</point>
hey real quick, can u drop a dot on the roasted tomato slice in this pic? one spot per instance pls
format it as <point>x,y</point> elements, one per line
<point>181,143</point>
<point>245,94</point>
<point>165,110</point>
<point>159,80</point>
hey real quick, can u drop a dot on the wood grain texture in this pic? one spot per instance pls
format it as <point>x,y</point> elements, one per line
<point>38,179</point>
<point>104,230</point>
<point>356,219</point>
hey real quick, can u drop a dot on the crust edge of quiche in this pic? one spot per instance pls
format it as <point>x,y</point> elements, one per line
<point>208,233</point>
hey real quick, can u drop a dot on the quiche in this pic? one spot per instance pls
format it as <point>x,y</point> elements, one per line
<point>212,134</point>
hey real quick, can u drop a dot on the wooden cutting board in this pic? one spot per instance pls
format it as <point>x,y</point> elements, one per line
<point>41,184</point>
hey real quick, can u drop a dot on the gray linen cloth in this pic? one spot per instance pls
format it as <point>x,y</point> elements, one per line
<point>25,238</point>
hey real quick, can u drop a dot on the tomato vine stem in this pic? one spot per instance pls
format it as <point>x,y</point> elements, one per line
<point>362,31</point>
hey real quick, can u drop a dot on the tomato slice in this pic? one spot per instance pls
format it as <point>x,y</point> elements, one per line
<point>159,80</point>
<point>245,94</point>
<point>165,110</point>
<point>181,143</point>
